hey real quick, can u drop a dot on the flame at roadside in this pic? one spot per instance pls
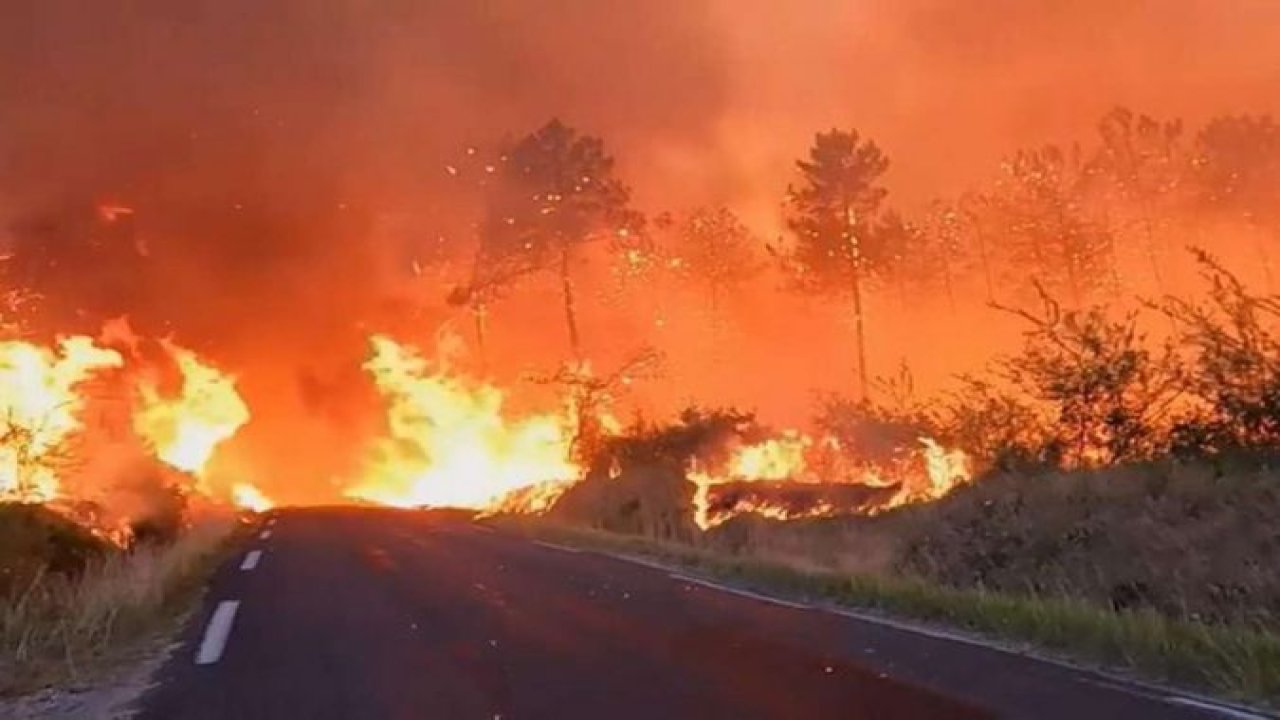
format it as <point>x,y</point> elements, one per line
<point>250,498</point>
<point>929,474</point>
<point>449,442</point>
<point>40,408</point>
<point>184,429</point>
<point>82,426</point>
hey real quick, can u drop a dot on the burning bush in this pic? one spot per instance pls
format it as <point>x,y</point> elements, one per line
<point>637,482</point>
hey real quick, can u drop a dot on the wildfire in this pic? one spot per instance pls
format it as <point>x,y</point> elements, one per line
<point>40,407</point>
<point>449,443</point>
<point>945,469</point>
<point>185,429</point>
<point>250,498</point>
<point>783,464</point>
<point>772,460</point>
<point>775,459</point>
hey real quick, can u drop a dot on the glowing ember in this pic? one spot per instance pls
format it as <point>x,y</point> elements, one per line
<point>449,443</point>
<point>185,429</point>
<point>250,498</point>
<point>40,408</point>
<point>111,213</point>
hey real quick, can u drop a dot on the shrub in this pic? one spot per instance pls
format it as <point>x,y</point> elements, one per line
<point>1236,365</point>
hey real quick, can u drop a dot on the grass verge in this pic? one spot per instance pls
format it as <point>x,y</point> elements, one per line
<point>1238,664</point>
<point>60,630</point>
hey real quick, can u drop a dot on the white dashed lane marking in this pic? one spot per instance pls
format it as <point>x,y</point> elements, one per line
<point>264,535</point>
<point>215,636</point>
<point>251,560</point>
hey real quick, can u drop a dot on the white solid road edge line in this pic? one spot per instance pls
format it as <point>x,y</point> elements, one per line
<point>1124,685</point>
<point>740,592</point>
<point>215,636</point>
<point>251,560</point>
<point>553,546</point>
<point>1223,710</point>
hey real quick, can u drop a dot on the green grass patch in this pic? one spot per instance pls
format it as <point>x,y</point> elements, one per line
<point>1237,663</point>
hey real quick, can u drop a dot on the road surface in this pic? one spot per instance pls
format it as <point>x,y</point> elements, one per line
<point>368,614</point>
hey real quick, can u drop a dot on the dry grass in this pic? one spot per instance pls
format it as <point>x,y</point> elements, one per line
<point>1191,541</point>
<point>59,628</point>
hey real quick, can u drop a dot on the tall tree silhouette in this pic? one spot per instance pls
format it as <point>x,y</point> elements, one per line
<point>1050,233</point>
<point>556,191</point>
<point>831,213</point>
<point>1237,173</point>
<point>1139,166</point>
<point>714,249</point>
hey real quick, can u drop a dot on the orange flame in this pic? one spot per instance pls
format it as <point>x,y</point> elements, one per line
<point>934,473</point>
<point>40,410</point>
<point>449,443</point>
<point>184,430</point>
<point>250,498</point>
<point>774,459</point>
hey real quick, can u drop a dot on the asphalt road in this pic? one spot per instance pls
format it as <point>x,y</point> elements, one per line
<point>368,614</point>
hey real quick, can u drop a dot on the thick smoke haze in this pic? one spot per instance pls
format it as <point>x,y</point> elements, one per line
<point>287,161</point>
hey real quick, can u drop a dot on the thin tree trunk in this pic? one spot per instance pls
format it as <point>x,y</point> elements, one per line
<point>1152,256</point>
<point>856,287</point>
<point>855,284</point>
<point>570,306</point>
<point>981,236</point>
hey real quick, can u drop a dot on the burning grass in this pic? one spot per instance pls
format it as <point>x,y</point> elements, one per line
<point>61,626</point>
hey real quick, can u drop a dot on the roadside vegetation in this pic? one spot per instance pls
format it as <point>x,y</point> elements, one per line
<point>73,605</point>
<point>1122,510</point>
<point>1234,662</point>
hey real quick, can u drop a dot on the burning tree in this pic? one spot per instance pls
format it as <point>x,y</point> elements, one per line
<point>1141,164</point>
<point>919,257</point>
<point>714,249</point>
<point>556,192</point>
<point>1237,166</point>
<point>1236,172</point>
<point>590,396</point>
<point>40,412</point>
<point>831,214</point>
<point>1050,234</point>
